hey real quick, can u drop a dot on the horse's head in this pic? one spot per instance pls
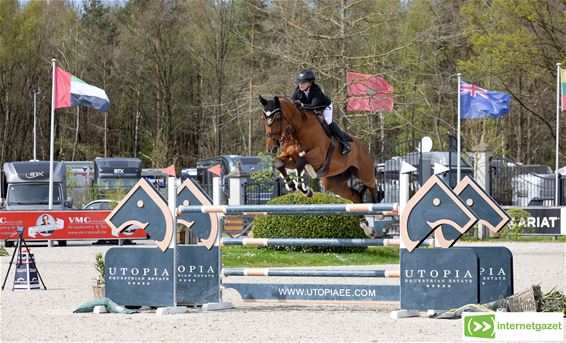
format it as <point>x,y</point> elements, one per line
<point>273,123</point>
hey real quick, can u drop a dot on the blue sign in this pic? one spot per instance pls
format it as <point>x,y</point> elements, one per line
<point>198,271</point>
<point>139,276</point>
<point>439,279</point>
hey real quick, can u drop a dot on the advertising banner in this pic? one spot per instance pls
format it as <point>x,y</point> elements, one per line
<point>61,225</point>
<point>544,220</point>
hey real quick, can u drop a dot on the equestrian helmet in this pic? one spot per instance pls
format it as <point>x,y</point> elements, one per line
<point>304,76</point>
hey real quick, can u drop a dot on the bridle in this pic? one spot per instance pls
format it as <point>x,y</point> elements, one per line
<point>277,115</point>
<point>285,132</point>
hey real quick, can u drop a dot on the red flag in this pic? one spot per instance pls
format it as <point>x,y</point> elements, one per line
<point>216,170</point>
<point>62,88</point>
<point>170,170</point>
<point>368,93</point>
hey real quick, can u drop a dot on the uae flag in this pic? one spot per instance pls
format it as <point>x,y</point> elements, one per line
<point>71,91</point>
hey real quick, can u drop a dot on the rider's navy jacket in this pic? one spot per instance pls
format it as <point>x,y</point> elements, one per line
<point>315,99</point>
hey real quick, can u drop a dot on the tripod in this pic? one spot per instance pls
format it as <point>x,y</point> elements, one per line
<point>18,250</point>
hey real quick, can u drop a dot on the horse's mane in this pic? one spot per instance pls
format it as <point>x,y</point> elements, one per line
<point>301,110</point>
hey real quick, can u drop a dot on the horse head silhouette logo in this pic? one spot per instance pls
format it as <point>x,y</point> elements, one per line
<point>435,206</point>
<point>146,208</point>
<point>204,226</point>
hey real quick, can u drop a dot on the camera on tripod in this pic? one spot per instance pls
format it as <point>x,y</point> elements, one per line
<point>26,273</point>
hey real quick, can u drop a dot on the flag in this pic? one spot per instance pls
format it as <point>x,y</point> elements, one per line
<point>170,170</point>
<point>563,87</point>
<point>216,170</point>
<point>477,102</point>
<point>72,91</point>
<point>368,93</point>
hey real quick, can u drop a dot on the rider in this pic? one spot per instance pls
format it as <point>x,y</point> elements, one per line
<point>309,96</point>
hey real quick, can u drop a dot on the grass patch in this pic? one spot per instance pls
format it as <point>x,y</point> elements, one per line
<point>238,256</point>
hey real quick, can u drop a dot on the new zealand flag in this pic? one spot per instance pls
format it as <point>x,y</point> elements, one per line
<point>476,102</point>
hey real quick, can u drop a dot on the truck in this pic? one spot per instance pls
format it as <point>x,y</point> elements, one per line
<point>116,174</point>
<point>157,177</point>
<point>27,187</point>
<point>80,178</point>
<point>227,164</point>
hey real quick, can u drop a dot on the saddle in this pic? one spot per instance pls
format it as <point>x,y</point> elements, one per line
<point>320,117</point>
<point>322,171</point>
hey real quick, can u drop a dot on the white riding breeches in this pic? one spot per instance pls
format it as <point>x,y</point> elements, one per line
<point>328,114</point>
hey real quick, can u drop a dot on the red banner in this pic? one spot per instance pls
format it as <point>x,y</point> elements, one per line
<point>368,93</point>
<point>61,225</point>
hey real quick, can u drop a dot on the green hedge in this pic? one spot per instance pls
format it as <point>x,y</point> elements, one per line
<point>311,226</point>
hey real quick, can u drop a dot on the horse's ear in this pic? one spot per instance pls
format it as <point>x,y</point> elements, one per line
<point>262,100</point>
<point>277,103</point>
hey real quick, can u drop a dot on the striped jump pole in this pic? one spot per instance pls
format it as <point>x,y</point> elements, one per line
<point>319,209</point>
<point>316,242</point>
<point>310,272</point>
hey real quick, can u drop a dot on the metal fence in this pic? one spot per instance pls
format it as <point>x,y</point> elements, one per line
<point>517,185</point>
<point>389,165</point>
<point>259,193</point>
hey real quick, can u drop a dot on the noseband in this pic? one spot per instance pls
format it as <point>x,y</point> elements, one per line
<point>277,114</point>
<point>270,117</point>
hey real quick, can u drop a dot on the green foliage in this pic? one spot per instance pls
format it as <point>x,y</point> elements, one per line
<point>251,257</point>
<point>553,301</point>
<point>310,226</point>
<point>513,230</point>
<point>3,251</point>
<point>99,266</point>
<point>266,171</point>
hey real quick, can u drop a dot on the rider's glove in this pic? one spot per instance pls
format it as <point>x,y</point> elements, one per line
<point>298,103</point>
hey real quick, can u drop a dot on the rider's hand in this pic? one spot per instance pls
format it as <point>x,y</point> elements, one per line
<point>298,103</point>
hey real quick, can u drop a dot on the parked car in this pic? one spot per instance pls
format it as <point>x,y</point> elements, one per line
<point>101,204</point>
<point>106,204</point>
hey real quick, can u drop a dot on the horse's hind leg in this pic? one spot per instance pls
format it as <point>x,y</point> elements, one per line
<point>280,166</point>
<point>367,176</point>
<point>338,185</point>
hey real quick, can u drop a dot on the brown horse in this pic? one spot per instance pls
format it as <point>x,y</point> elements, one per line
<point>304,146</point>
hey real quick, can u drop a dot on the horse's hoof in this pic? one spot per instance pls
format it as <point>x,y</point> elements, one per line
<point>368,230</point>
<point>310,193</point>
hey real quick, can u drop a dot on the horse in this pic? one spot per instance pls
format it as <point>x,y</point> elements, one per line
<point>305,146</point>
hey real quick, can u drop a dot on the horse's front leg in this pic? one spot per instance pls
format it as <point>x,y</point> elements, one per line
<point>300,164</point>
<point>289,183</point>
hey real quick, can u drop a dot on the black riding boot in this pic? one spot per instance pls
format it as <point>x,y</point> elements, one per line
<point>342,137</point>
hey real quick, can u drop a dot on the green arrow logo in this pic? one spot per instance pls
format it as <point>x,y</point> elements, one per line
<point>481,326</point>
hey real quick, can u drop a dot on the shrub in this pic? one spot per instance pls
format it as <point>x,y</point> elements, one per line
<point>309,226</point>
<point>99,266</point>
<point>514,229</point>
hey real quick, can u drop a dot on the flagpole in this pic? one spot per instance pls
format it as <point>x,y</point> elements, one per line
<point>557,166</point>
<point>52,135</point>
<point>458,138</point>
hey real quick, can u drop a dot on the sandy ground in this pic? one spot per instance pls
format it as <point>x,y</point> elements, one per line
<point>46,315</point>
